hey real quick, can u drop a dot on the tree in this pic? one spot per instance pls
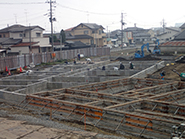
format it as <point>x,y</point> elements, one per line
<point>62,36</point>
<point>54,39</point>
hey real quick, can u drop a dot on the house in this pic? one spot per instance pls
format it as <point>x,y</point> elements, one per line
<point>127,36</point>
<point>24,47</point>
<point>180,36</point>
<point>8,42</point>
<point>29,35</point>
<point>74,45</point>
<point>88,33</point>
<point>177,45</point>
<point>182,27</point>
<point>140,35</point>
<point>168,34</point>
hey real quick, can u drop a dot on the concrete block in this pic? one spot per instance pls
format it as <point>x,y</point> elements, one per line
<point>12,97</point>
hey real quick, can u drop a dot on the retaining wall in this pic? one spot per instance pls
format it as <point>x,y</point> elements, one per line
<point>150,70</point>
<point>12,97</point>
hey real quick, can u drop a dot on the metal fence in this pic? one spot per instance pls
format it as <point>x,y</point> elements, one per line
<point>13,62</point>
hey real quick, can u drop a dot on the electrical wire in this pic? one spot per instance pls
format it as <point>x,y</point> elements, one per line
<point>6,3</point>
<point>79,10</point>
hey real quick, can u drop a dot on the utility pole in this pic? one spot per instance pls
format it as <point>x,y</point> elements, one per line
<point>122,24</point>
<point>30,38</point>
<point>121,30</point>
<point>163,25</point>
<point>107,32</point>
<point>51,19</point>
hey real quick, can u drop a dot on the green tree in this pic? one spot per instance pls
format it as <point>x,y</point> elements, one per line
<point>54,38</point>
<point>62,36</point>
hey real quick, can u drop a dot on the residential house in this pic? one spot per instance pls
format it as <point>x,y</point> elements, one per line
<point>127,37</point>
<point>140,35</point>
<point>168,34</point>
<point>30,36</point>
<point>182,27</point>
<point>88,33</point>
<point>177,45</point>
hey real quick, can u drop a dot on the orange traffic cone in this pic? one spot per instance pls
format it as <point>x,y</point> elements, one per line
<point>6,69</point>
<point>20,69</point>
<point>9,72</point>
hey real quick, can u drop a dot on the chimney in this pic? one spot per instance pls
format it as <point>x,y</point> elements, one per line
<point>135,25</point>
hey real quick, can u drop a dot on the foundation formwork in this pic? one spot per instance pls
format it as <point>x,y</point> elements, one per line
<point>140,107</point>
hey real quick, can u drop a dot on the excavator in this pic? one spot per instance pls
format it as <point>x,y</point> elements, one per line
<point>140,54</point>
<point>156,48</point>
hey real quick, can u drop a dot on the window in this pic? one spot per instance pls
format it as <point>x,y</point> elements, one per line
<point>92,41</point>
<point>100,32</point>
<point>20,35</point>
<point>0,36</point>
<point>86,32</point>
<point>82,25</point>
<point>4,35</point>
<point>38,34</point>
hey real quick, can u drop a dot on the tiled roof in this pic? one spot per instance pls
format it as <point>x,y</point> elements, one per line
<point>183,26</point>
<point>173,29</point>
<point>69,29</point>
<point>23,44</point>
<point>174,43</point>
<point>9,41</point>
<point>79,37</point>
<point>18,28</point>
<point>180,36</point>
<point>3,39</point>
<point>92,26</point>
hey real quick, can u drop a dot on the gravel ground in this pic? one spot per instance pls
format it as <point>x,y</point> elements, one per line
<point>48,123</point>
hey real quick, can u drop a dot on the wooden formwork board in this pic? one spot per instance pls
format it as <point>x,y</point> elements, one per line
<point>127,110</point>
<point>85,95</point>
<point>113,119</point>
<point>173,96</point>
<point>136,83</point>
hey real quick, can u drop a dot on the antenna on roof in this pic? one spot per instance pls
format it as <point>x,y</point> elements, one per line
<point>15,18</point>
<point>26,16</point>
<point>87,17</point>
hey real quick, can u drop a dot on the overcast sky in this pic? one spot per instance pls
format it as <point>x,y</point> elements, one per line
<point>69,13</point>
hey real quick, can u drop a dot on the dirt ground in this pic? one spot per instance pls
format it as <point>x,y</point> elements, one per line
<point>14,110</point>
<point>169,74</point>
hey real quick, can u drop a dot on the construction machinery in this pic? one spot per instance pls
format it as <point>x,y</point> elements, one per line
<point>156,48</point>
<point>140,54</point>
<point>181,75</point>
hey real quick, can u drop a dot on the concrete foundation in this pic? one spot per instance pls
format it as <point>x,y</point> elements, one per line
<point>121,101</point>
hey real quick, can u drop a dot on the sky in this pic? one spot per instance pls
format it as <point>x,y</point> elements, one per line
<point>69,13</point>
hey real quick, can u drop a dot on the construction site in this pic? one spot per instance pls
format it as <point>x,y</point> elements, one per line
<point>130,103</point>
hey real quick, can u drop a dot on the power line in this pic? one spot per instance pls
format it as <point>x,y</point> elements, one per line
<point>6,3</point>
<point>79,10</point>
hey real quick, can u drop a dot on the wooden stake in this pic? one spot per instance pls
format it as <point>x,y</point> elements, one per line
<point>85,119</point>
<point>50,114</point>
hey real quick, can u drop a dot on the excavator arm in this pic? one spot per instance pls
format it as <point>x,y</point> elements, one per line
<point>139,54</point>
